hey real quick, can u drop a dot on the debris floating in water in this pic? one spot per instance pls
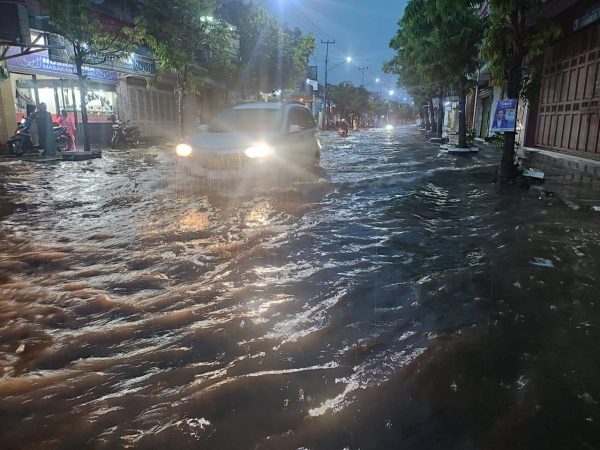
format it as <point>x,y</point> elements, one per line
<point>541,262</point>
<point>533,173</point>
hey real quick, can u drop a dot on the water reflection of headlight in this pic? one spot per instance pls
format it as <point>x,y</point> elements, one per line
<point>259,151</point>
<point>184,150</point>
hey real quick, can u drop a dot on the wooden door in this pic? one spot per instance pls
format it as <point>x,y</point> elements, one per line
<point>569,105</point>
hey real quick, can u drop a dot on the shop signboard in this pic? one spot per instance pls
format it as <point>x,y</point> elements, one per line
<point>505,116</point>
<point>40,64</point>
<point>132,64</point>
<point>591,16</point>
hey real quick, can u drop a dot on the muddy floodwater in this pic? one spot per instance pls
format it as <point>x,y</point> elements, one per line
<point>395,298</point>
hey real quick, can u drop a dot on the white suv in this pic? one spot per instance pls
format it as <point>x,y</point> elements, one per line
<point>254,138</point>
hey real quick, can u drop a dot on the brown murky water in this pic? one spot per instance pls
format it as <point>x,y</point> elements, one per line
<point>395,299</point>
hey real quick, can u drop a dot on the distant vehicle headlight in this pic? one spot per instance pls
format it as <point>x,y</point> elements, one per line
<point>259,151</point>
<point>389,127</point>
<point>184,150</point>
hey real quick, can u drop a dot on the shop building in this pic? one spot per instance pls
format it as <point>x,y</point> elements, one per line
<point>34,78</point>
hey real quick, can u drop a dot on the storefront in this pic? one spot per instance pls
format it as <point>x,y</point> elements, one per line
<point>567,114</point>
<point>36,79</point>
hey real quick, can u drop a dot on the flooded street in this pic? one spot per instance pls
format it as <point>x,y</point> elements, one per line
<point>394,299</point>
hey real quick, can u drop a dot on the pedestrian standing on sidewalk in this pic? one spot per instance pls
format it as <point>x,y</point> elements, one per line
<point>45,130</point>
<point>65,121</point>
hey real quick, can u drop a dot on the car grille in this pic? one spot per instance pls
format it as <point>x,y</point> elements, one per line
<point>228,162</point>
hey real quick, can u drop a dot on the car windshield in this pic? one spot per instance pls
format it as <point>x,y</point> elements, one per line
<point>246,120</point>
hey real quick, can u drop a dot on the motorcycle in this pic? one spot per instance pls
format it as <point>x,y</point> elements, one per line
<point>21,142</point>
<point>343,132</point>
<point>123,134</point>
<point>63,139</point>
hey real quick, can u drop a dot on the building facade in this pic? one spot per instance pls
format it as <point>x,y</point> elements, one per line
<point>118,87</point>
<point>566,116</point>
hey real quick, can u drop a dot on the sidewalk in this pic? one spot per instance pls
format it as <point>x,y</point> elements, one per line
<point>574,179</point>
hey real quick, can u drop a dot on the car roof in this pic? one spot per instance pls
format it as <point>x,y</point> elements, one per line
<point>259,105</point>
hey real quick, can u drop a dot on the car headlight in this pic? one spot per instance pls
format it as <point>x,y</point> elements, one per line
<point>259,151</point>
<point>389,127</point>
<point>184,150</point>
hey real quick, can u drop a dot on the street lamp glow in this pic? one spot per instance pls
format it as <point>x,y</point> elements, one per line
<point>377,80</point>
<point>391,93</point>
<point>349,59</point>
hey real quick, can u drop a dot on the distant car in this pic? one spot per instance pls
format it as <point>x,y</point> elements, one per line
<point>254,139</point>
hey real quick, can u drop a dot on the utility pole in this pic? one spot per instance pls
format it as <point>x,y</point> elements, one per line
<point>363,75</point>
<point>326,96</point>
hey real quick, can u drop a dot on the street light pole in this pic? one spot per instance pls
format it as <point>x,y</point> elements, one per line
<point>326,96</point>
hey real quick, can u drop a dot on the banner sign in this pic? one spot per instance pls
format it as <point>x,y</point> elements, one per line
<point>505,116</point>
<point>40,64</point>
<point>131,64</point>
<point>593,15</point>
<point>312,73</point>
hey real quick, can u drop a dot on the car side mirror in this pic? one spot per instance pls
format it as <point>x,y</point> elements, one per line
<point>203,127</point>
<point>293,129</point>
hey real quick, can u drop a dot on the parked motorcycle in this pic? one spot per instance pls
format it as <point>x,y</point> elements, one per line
<point>64,143</point>
<point>124,134</point>
<point>21,142</point>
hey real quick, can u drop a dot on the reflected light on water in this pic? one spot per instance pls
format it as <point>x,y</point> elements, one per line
<point>194,221</point>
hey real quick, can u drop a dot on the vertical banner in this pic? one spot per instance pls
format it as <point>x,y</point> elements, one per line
<point>505,116</point>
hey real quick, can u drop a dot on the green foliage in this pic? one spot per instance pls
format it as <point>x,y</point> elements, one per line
<point>378,107</point>
<point>76,22</point>
<point>510,40</point>
<point>350,99</point>
<point>436,43</point>
<point>436,49</point>
<point>271,57</point>
<point>178,33</point>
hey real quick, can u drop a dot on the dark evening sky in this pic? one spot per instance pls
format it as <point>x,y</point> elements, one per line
<point>362,29</point>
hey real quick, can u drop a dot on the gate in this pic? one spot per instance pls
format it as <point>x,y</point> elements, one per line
<point>569,106</point>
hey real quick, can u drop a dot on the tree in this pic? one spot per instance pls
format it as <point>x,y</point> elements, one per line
<point>91,43</point>
<point>437,46</point>
<point>417,61</point>
<point>271,57</point>
<point>510,40</point>
<point>182,35</point>
<point>349,99</point>
<point>377,107</point>
<point>459,31</point>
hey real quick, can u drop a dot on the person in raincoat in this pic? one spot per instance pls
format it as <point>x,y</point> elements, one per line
<point>45,129</point>
<point>65,121</point>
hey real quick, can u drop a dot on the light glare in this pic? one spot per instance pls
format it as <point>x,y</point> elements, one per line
<point>183,150</point>
<point>261,150</point>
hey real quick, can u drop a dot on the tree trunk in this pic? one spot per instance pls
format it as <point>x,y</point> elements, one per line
<point>426,118</point>
<point>462,121</point>
<point>508,170</point>
<point>440,121</point>
<point>432,123</point>
<point>84,116</point>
